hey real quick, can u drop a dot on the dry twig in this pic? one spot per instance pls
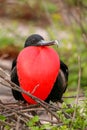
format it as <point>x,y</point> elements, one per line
<point>78,89</point>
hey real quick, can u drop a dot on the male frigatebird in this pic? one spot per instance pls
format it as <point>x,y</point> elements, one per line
<point>61,81</point>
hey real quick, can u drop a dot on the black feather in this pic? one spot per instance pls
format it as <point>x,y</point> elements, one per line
<point>60,84</point>
<point>14,78</point>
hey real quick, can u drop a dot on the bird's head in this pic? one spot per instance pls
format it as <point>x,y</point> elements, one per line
<point>37,40</point>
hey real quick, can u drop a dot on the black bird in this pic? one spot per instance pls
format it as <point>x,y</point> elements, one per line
<point>62,79</point>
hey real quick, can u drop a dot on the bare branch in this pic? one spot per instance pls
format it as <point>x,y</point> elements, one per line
<point>78,89</point>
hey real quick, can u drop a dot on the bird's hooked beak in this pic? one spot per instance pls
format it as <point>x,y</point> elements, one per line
<point>48,43</point>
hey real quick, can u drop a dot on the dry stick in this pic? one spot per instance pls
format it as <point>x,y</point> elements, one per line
<point>18,123</point>
<point>16,87</point>
<point>6,123</point>
<point>78,89</point>
<point>25,109</point>
<point>12,110</point>
<point>10,114</point>
<point>15,113</point>
<point>79,78</point>
<point>73,96</point>
<point>20,103</point>
<point>33,109</point>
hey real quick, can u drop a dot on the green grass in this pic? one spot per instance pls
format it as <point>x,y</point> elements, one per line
<point>5,41</point>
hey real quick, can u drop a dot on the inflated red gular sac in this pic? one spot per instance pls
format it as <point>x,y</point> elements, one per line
<point>36,70</point>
